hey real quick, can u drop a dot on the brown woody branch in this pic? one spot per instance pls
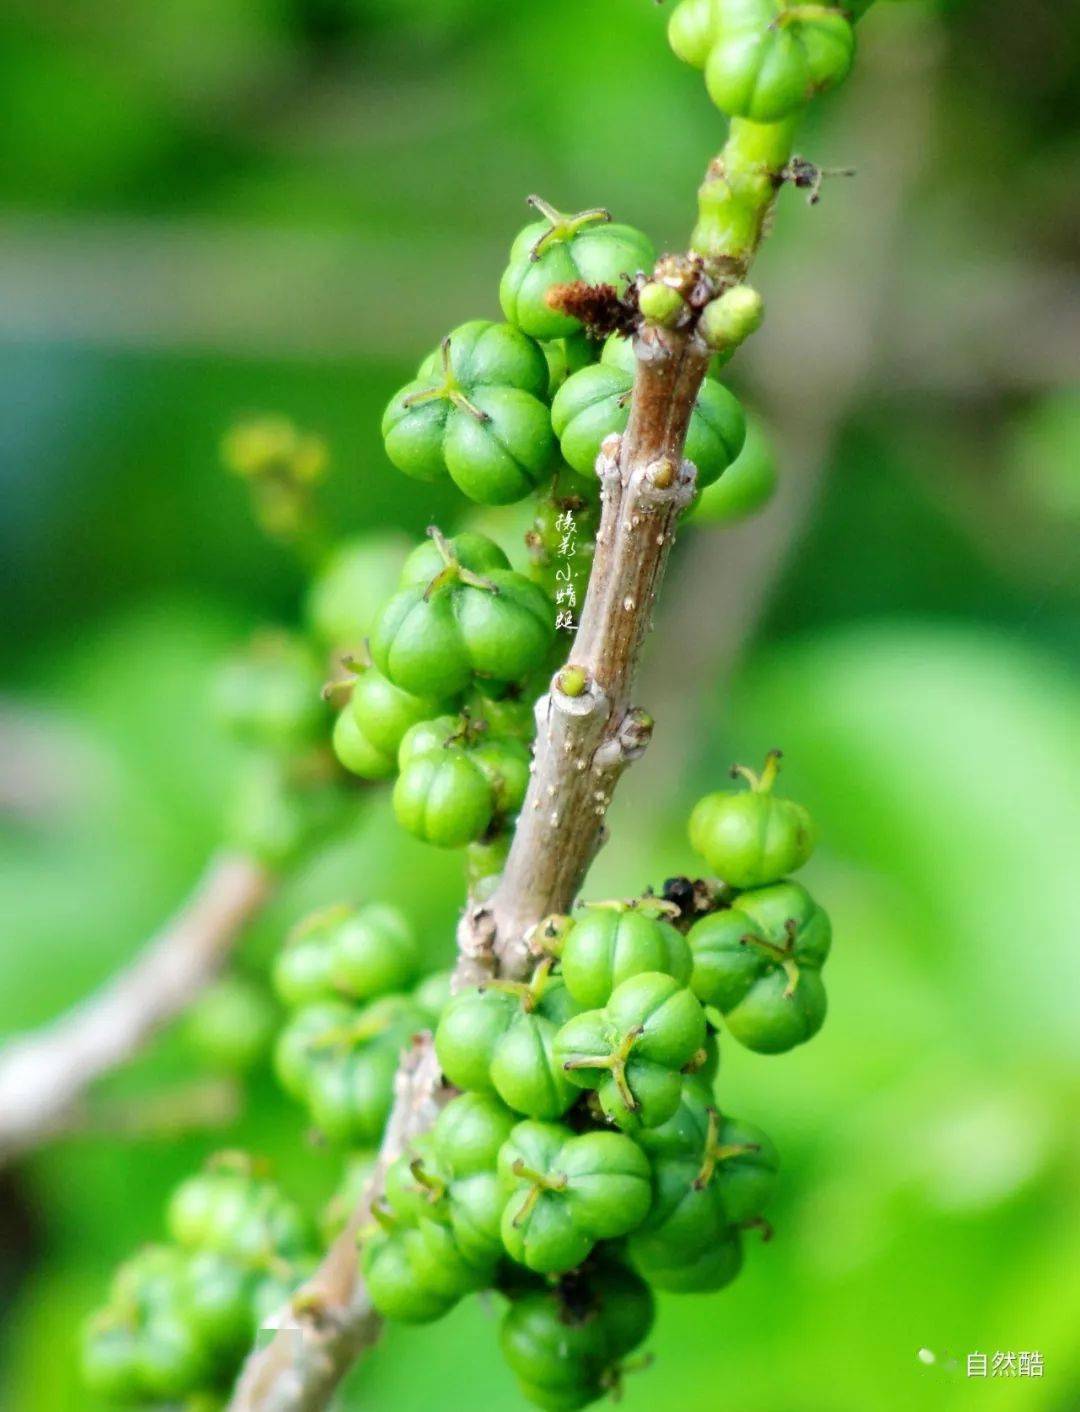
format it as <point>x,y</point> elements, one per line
<point>45,1074</point>
<point>584,742</point>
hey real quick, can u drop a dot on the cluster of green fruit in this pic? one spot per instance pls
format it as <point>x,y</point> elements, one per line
<point>442,1231</point>
<point>758,959</point>
<point>269,701</point>
<point>499,408</point>
<point>231,1026</point>
<point>458,654</point>
<point>345,975</point>
<point>586,1152</point>
<point>765,59</point>
<point>181,1316</point>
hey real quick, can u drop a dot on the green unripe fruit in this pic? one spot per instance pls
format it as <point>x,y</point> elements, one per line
<point>660,304</point>
<point>452,788</point>
<point>385,712</point>
<point>178,1321</point>
<point>731,319</point>
<point>565,1344</point>
<point>465,1145</point>
<point>709,1173</point>
<point>595,402</point>
<point>752,837</point>
<point>392,1284</point>
<point>154,1278</point>
<point>415,1273</point>
<point>355,752</point>
<point>567,355</point>
<point>361,953</point>
<point>349,591</point>
<point>350,1104</point>
<point>433,639</point>
<point>373,952</point>
<point>470,550</point>
<point>558,1358</point>
<point>410,1195</point>
<point>485,860</point>
<point>608,945</point>
<point>231,1024</point>
<point>747,484</point>
<point>305,1037</point>
<point>566,1192</point>
<point>228,1210</point>
<point>759,963</point>
<point>625,1306</point>
<point>710,1268</point>
<point>768,60</point>
<point>219,1303</point>
<point>523,1070</point>
<point>511,716</point>
<point>302,967</point>
<point>499,1041</point>
<point>370,729</point>
<point>432,995</point>
<point>471,1026</point>
<point>108,1361</point>
<point>692,30</point>
<point>476,412</point>
<point>562,249</point>
<point>469,1132</point>
<point>270,697</point>
<point>340,1061</point>
<point>170,1358</point>
<point>632,1051</point>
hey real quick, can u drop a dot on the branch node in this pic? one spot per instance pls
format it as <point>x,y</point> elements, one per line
<point>607,462</point>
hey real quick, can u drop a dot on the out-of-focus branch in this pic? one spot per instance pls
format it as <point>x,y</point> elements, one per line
<point>44,1074</point>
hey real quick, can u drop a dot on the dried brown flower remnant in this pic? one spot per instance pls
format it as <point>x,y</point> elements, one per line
<point>600,307</point>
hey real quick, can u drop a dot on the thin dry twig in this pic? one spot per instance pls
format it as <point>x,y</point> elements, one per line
<point>45,1073</point>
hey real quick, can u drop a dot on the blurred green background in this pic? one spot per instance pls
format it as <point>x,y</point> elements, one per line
<point>211,209</point>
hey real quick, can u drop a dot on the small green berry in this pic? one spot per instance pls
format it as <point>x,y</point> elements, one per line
<point>729,320</point>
